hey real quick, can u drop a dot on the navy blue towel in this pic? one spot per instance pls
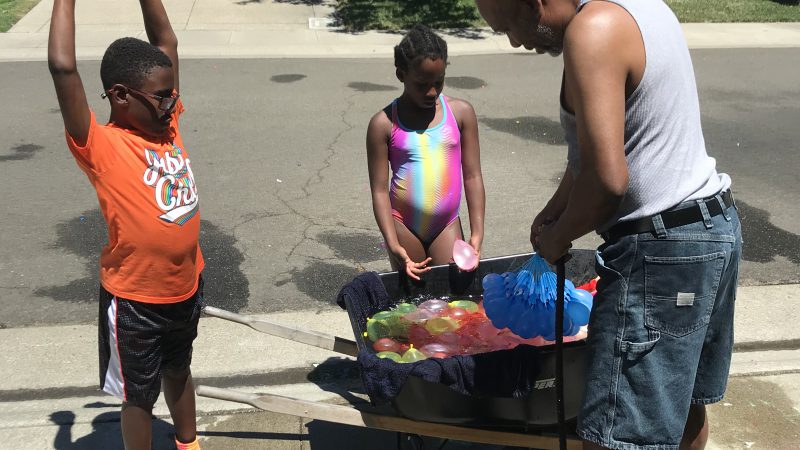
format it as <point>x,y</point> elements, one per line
<point>505,373</point>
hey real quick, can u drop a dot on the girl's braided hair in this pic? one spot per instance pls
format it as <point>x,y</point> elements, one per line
<point>420,42</point>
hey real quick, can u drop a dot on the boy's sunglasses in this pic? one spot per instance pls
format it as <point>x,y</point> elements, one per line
<point>164,103</point>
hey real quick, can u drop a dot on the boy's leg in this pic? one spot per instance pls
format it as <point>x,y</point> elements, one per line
<point>441,249</point>
<point>129,364</point>
<point>177,358</point>
<point>137,427</point>
<point>179,395</point>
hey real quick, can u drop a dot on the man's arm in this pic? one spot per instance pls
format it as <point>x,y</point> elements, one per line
<point>600,48</point>
<point>64,69</point>
<point>160,32</point>
<point>554,207</point>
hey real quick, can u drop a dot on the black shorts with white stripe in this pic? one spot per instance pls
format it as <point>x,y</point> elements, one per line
<point>139,341</point>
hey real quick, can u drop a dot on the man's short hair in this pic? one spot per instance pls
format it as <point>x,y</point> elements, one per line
<point>128,60</point>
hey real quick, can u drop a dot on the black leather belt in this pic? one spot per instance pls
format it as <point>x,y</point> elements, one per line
<point>672,218</point>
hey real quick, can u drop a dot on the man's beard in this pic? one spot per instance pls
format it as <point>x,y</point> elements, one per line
<point>553,48</point>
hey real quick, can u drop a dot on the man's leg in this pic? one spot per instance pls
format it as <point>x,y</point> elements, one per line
<point>695,434</point>
<point>137,427</point>
<point>179,395</point>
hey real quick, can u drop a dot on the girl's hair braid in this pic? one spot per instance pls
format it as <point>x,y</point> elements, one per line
<point>420,42</point>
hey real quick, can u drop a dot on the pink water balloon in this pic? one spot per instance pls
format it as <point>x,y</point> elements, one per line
<point>435,305</point>
<point>420,315</point>
<point>437,350</point>
<point>465,257</point>
<point>449,337</point>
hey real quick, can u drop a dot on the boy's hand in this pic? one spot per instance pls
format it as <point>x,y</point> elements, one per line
<point>412,269</point>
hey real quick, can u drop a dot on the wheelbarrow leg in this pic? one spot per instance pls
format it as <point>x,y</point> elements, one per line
<point>414,440</point>
<point>560,285</point>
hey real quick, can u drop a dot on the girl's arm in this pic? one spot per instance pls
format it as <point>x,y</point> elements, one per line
<point>160,33</point>
<point>471,168</point>
<point>378,163</point>
<point>64,69</point>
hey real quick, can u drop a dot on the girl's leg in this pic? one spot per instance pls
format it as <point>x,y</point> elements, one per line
<point>441,249</point>
<point>410,242</point>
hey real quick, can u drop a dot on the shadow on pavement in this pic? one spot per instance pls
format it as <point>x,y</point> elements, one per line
<point>105,432</point>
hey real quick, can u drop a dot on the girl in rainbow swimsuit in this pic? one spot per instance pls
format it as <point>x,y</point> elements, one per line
<point>429,141</point>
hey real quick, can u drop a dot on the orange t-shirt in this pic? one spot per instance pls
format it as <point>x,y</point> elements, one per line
<point>149,200</point>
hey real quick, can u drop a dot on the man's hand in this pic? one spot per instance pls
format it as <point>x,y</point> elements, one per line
<point>412,269</point>
<point>549,244</point>
<point>544,218</point>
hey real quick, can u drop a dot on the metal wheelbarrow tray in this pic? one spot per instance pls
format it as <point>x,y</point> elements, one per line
<point>432,409</point>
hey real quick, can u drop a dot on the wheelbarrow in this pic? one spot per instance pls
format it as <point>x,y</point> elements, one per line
<point>423,408</point>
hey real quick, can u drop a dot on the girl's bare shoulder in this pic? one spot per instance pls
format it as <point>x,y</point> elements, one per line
<point>382,120</point>
<point>462,109</point>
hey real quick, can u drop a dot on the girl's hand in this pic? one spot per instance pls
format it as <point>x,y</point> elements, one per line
<point>475,242</point>
<point>412,269</point>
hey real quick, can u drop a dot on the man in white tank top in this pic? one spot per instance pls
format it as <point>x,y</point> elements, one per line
<point>661,330</point>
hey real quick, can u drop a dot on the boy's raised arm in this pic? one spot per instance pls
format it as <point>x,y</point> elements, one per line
<point>160,32</point>
<point>64,69</point>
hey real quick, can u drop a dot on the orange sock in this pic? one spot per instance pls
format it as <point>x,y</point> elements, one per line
<point>194,445</point>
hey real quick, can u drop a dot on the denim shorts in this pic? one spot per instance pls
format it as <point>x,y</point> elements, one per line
<point>660,332</point>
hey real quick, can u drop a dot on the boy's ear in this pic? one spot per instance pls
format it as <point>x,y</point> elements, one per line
<point>400,75</point>
<point>118,94</point>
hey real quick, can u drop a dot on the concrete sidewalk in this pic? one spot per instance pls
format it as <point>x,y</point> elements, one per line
<point>226,349</point>
<point>294,29</point>
<point>48,384</point>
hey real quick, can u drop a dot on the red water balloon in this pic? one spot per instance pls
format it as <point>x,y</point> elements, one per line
<point>459,314</point>
<point>386,345</point>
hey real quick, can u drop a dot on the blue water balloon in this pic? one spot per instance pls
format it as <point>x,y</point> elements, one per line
<point>580,306</point>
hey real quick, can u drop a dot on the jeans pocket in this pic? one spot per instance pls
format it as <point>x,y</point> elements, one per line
<point>680,291</point>
<point>635,350</point>
<point>605,272</point>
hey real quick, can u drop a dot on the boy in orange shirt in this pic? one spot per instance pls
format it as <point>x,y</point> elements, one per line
<point>151,293</point>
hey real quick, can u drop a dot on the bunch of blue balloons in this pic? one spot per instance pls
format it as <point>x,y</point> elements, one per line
<point>525,301</point>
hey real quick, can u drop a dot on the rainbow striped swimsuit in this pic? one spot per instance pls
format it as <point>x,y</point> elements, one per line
<point>425,190</point>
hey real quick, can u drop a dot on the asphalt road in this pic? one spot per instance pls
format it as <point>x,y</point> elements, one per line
<point>277,148</point>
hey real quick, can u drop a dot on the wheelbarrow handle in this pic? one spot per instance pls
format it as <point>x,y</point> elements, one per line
<point>367,417</point>
<point>309,337</point>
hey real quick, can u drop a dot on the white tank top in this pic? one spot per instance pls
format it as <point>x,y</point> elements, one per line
<point>664,145</point>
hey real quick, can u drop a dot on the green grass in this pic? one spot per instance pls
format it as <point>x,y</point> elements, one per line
<point>736,10</point>
<point>12,10</point>
<point>359,15</point>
